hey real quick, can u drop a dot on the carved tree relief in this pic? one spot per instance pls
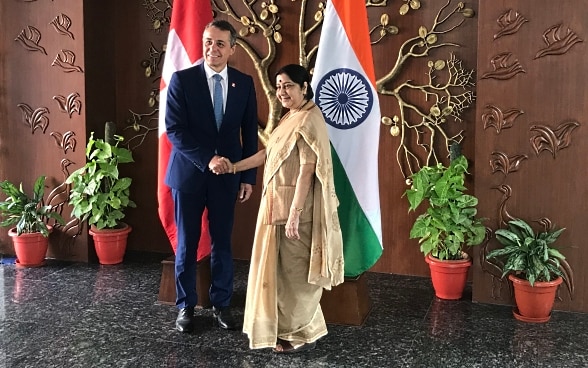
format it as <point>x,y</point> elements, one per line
<point>448,91</point>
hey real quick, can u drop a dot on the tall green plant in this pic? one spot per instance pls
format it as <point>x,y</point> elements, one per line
<point>527,254</point>
<point>450,219</point>
<point>98,194</point>
<point>28,213</point>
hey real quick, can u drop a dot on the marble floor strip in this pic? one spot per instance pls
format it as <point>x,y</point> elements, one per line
<point>87,315</point>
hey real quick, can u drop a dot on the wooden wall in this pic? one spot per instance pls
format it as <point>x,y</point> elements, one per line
<point>43,62</point>
<point>531,130</point>
<point>115,41</point>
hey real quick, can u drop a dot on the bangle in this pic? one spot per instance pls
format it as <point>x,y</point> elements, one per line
<point>234,169</point>
<point>297,209</point>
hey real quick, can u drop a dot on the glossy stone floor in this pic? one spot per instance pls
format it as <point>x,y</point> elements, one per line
<point>80,315</point>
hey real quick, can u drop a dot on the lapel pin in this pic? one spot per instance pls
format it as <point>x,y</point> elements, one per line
<point>232,84</point>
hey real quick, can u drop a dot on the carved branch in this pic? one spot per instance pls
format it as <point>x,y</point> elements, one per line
<point>446,98</point>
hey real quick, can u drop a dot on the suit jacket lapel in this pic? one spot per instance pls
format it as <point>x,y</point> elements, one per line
<point>231,93</point>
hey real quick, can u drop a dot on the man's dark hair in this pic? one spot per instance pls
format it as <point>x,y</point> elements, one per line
<point>223,25</point>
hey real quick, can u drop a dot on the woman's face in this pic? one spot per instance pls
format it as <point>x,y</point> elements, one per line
<point>289,93</point>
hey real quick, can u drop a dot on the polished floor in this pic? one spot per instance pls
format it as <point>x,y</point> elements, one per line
<point>80,315</point>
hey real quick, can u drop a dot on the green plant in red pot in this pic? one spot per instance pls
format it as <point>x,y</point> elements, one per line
<point>29,217</point>
<point>534,267</point>
<point>100,195</point>
<point>449,224</point>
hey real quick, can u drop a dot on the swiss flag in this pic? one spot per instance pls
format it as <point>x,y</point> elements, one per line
<point>184,49</point>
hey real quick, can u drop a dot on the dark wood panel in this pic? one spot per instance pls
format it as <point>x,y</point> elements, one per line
<point>32,76</point>
<point>550,93</point>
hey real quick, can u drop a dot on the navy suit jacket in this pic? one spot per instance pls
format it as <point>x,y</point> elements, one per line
<point>191,128</point>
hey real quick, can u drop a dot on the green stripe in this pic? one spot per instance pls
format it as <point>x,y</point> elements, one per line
<point>361,247</point>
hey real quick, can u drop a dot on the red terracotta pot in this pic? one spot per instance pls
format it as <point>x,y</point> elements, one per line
<point>110,244</point>
<point>448,277</point>
<point>30,248</point>
<point>534,303</point>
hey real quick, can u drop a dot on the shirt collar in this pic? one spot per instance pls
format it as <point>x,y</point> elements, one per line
<point>209,72</point>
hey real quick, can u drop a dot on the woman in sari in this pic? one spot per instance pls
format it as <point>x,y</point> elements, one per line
<point>297,250</point>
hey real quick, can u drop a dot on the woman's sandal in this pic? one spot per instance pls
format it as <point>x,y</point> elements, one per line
<point>286,347</point>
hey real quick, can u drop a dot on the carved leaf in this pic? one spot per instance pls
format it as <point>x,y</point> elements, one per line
<point>66,141</point>
<point>29,38</point>
<point>501,162</point>
<point>66,61</point>
<point>503,67</point>
<point>62,23</point>
<point>557,43</point>
<point>494,117</point>
<point>510,22</point>
<point>69,105</point>
<point>546,139</point>
<point>34,119</point>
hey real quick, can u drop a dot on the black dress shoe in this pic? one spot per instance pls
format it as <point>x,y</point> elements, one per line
<point>185,320</point>
<point>224,318</point>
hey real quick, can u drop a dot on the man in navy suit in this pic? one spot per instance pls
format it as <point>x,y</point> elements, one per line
<point>205,134</point>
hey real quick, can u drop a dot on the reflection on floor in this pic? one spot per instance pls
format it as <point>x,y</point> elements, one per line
<point>80,315</point>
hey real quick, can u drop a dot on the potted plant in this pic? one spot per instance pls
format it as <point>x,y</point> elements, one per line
<point>534,267</point>
<point>98,194</point>
<point>30,235</point>
<point>448,224</point>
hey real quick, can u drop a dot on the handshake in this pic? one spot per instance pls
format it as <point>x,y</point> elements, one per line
<point>222,165</point>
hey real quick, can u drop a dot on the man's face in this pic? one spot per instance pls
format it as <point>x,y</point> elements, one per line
<point>217,48</point>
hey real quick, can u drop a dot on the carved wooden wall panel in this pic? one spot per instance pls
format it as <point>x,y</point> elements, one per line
<point>40,127</point>
<point>532,60</point>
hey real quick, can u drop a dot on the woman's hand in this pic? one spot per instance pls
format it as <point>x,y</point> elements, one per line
<point>292,224</point>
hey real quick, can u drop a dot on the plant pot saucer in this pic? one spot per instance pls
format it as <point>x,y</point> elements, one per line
<point>515,312</point>
<point>24,265</point>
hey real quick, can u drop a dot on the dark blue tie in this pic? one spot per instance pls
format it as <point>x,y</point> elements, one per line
<point>218,100</point>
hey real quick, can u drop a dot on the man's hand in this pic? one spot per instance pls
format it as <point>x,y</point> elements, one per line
<point>219,165</point>
<point>245,192</point>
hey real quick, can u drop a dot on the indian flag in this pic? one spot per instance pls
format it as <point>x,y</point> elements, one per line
<point>344,85</point>
<point>184,49</point>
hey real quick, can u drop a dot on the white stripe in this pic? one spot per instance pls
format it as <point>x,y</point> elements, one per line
<point>176,58</point>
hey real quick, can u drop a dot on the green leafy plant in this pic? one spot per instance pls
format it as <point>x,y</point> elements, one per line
<point>98,194</point>
<point>526,254</point>
<point>450,220</point>
<point>28,213</point>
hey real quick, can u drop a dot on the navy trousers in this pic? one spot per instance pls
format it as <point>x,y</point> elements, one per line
<point>218,195</point>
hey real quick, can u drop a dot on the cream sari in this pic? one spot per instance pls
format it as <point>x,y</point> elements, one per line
<point>286,276</point>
